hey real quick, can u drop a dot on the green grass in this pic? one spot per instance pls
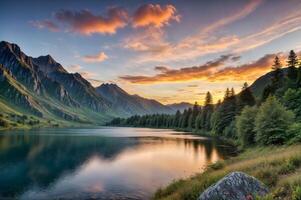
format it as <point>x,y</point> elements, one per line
<point>277,167</point>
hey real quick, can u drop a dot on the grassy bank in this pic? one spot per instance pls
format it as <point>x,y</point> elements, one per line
<point>278,167</point>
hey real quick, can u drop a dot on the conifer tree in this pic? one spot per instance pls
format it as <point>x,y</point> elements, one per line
<point>206,112</point>
<point>195,111</point>
<point>225,114</point>
<point>245,98</point>
<point>176,120</point>
<point>276,80</point>
<point>292,63</point>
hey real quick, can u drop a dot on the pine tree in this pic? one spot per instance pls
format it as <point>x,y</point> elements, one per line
<point>292,64</point>
<point>299,74</point>
<point>198,122</point>
<point>276,80</point>
<point>245,98</point>
<point>176,121</point>
<point>206,112</point>
<point>225,114</point>
<point>195,111</point>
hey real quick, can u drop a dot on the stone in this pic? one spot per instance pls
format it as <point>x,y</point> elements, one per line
<point>235,186</point>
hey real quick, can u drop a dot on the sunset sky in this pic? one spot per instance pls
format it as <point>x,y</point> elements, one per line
<point>171,51</point>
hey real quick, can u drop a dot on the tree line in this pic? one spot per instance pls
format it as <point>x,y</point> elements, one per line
<point>272,118</point>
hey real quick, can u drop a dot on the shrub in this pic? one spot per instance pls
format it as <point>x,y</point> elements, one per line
<point>271,122</point>
<point>245,124</point>
<point>294,133</point>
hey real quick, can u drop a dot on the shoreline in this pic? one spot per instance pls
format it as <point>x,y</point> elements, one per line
<point>279,168</point>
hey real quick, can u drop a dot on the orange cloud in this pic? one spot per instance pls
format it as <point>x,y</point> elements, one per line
<point>154,15</point>
<point>189,73</point>
<point>247,72</point>
<point>100,57</point>
<point>213,71</point>
<point>45,24</point>
<point>153,45</point>
<point>85,22</point>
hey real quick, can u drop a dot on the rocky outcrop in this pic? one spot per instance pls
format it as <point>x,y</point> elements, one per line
<point>235,186</point>
<point>15,93</point>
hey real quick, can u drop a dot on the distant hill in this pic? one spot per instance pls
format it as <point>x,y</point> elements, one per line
<point>180,106</point>
<point>128,104</point>
<point>259,84</point>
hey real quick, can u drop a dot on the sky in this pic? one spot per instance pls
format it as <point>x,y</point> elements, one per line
<point>171,51</point>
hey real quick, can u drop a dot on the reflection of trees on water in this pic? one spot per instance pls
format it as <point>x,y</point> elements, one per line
<point>33,160</point>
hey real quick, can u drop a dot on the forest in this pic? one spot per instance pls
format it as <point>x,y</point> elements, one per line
<point>273,118</point>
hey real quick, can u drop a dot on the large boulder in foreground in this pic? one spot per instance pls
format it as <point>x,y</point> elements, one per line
<point>235,186</point>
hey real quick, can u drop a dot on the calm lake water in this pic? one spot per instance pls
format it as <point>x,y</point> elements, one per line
<point>103,163</point>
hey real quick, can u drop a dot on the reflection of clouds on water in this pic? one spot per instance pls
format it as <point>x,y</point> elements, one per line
<point>79,166</point>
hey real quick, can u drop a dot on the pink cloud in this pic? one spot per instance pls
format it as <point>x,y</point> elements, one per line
<point>100,57</point>
<point>155,15</point>
<point>45,24</point>
<point>86,23</point>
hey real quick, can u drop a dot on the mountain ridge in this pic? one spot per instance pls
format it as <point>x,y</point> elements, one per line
<point>48,91</point>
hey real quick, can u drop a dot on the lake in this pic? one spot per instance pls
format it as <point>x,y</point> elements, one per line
<point>101,163</point>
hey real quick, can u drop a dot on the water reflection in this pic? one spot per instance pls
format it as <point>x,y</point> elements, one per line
<point>110,163</point>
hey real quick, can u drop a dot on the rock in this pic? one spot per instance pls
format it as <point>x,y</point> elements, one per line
<point>235,186</point>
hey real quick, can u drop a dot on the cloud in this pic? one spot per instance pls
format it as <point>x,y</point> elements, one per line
<point>153,46</point>
<point>154,15</point>
<point>95,82</point>
<point>149,41</point>
<point>246,72</point>
<point>212,71</point>
<point>100,57</point>
<point>45,24</point>
<point>86,23</point>
<point>74,68</point>
<point>90,76</point>
<point>245,11</point>
<point>192,85</point>
<point>288,24</point>
<point>173,75</point>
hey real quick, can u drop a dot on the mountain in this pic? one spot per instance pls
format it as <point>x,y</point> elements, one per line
<point>130,104</point>
<point>262,82</point>
<point>180,106</point>
<point>39,90</point>
<point>41,87</point>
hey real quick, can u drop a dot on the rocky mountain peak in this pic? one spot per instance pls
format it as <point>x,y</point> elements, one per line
<point>7,49</point>
<point>111,87</point>
<point>48,65</point>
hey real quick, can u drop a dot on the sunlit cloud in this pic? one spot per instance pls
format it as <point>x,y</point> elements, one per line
<point>74,68</point>
<point>90,76</point>
<point>213,71</point>
<point>87,23</point>
<point>246,72</point>
<point>100,57</point>
<point>149,41</point>
<point>173,75</point>
<point>45,24</point>
<point>207,42</point>
<point>153,45</point>
<point>155,15</point>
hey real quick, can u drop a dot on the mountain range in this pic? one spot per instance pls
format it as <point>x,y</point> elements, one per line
<point>43,89</point>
